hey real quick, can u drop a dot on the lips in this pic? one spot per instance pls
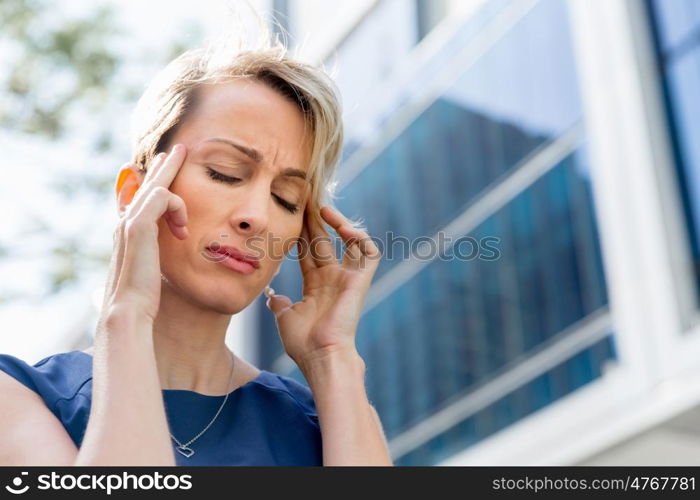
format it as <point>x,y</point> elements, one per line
<point>237,254</point>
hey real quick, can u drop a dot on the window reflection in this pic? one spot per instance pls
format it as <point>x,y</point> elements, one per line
<point>458,324</point>
<point>677,27</point>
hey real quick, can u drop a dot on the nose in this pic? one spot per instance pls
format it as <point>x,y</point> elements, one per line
<point>250,216</point>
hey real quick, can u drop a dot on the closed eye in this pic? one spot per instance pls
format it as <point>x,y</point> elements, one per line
<point>290,207</point>
<point>221,177</point>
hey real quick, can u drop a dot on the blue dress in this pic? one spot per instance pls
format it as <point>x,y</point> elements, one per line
<point>270,420</point>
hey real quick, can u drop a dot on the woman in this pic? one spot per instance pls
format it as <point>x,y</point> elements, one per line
<point>232,159</point>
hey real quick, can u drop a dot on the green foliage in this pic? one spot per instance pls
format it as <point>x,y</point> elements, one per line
<point>55,66</point>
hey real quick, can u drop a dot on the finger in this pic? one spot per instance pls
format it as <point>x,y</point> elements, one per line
<point>352,257</point>
<point>303,249</point>
<point>153,167</point>
<point>334,218</point>
<point>321,243</point>
<point>143,190</point>
<point>170,167</point>
<point>140,234</point>
<point>126,188</point>
<point>162,173</point>
<point>161,202</point>
<point>179,230</point>
<point>278,304</point>
<point>342,226</point>
<point>136,197</point>
<point>361,251</point>
<point>337,221</point>
<point>115,263</point>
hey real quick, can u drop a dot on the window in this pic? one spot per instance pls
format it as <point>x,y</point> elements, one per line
<point>428,14</point>
<point>676,26</point>
<point>455,324</point>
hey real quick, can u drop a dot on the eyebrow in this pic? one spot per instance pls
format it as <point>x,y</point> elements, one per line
<point>257,157</point>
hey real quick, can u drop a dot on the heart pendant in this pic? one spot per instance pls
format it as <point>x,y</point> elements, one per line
<point>185,450</point>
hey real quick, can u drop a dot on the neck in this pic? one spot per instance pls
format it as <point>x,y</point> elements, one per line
<point>190,348</point>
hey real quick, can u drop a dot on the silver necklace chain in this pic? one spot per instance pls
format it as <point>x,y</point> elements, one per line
<point>185,449</point>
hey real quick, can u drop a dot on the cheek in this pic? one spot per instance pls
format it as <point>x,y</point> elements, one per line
<point>282,241</point>
<point>292,235</point>
<point>194,192</point>
<point>186,182</point>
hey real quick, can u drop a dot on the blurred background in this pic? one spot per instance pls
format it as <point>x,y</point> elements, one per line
<point>562,128</point>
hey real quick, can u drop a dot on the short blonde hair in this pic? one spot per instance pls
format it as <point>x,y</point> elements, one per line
<point>171,96</point>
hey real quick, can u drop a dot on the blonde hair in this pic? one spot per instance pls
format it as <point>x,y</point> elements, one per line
<point>171,96</point>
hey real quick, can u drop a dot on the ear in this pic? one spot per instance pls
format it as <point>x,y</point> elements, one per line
<point>129,180</point>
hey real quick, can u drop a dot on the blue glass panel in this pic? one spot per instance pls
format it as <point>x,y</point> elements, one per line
<point>677,21</point>
<point>458,322</point>
<point>539,392</point>
<point>677,30</point>
<point>522,94</point>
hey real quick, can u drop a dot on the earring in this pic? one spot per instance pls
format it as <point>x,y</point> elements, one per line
<point>163,278</point>
<point>269,291</point>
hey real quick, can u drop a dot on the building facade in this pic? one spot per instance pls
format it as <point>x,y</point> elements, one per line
<point>530,170</point>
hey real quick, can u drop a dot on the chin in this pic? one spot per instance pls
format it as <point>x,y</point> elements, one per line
<point>219,295</point>
<point>233,298</point>
<point>227,303</point>
<point>228,309</point>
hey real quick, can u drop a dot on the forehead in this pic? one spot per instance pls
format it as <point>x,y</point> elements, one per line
<point>249,112</point>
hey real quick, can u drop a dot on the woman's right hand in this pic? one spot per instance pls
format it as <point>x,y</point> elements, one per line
<point>134,279</point>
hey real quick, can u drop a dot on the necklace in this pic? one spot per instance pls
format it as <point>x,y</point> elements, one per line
<point>185,449</point>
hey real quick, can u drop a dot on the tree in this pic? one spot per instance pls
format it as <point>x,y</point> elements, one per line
<point>63,81</point>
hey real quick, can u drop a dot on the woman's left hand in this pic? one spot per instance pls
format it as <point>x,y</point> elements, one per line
<point>325,320</point>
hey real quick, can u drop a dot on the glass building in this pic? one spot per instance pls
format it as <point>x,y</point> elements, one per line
<point>676,30</point>
<point>550,143</point>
